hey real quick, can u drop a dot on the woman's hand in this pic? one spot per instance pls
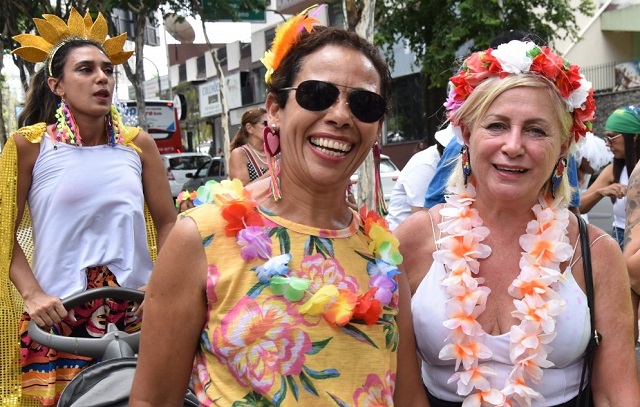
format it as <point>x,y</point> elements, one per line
<point>45,310</point>
<point>615,190</point>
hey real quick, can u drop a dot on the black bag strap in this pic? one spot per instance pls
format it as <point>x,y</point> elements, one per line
<point>584,396</point>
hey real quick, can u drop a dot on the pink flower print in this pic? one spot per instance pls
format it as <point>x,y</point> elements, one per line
<point>376,392</point>
<point>258,343</point>
<point>323,271</point>
<point>213,275</point>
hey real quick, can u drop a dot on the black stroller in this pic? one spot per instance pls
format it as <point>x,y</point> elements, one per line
<point>107,383</point>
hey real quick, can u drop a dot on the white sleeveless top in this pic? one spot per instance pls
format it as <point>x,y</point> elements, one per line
<point>87,209</point>
<point>560,383</point>
<point>620,205</point>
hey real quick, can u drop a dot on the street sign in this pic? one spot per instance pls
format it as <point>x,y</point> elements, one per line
<point>212,13</point>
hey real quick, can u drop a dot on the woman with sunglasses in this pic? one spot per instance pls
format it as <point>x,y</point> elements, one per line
<point>502,298</point>
<point>621,135</point>
<point>248,161</point>
<point>293,299</point>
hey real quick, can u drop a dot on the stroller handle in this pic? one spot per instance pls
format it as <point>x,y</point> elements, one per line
<point>113,344</point>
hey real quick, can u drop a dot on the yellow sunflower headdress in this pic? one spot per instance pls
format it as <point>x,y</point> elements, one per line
<point>286,37</point>
<point>54,33</point>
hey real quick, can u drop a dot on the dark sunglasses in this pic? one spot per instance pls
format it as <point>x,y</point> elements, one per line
<point>316,96</point>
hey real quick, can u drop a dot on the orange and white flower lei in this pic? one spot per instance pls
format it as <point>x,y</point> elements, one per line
<point>545,246</point>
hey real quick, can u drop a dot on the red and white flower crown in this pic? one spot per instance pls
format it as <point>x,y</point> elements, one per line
<point>517,57</point>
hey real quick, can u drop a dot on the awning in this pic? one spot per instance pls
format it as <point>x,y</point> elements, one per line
<point>622,19</point>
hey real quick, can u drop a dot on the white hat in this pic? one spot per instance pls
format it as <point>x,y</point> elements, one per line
<point>444,136</point>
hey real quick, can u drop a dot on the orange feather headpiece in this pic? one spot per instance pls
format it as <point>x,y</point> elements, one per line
<point>285,39</point>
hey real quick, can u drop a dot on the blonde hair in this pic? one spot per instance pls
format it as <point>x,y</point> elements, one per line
<point>479,101</point>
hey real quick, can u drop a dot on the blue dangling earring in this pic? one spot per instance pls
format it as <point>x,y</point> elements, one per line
<point>556,177</point>
<point>466,166</point>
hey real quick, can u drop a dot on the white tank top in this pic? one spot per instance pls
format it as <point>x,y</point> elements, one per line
<point>560,383</point>
<point>620,205</point>
<point>87,209</point>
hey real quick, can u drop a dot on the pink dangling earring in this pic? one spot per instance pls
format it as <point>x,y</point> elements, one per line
<point>379,202</point>
<point>272,149</point>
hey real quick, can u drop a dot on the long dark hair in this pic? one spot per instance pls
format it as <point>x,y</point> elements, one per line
<point>41,103</point>
<point>242,136</point>
<point>631,156</point>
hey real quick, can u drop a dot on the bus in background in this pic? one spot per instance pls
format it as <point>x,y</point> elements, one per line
<point>162,118</point>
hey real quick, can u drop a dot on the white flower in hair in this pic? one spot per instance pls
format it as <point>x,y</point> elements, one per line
<point>578,96</point>
<point>514,56</point>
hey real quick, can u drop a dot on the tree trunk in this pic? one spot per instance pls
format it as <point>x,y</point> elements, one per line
<point>226,143</point>
<point>359,17</point>
<point>135,77</point>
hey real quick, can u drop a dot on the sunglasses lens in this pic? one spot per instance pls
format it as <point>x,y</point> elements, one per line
<point>316,95</point>
<point>368,107</point>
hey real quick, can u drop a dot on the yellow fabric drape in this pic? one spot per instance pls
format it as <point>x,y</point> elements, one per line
<point>11,304</point>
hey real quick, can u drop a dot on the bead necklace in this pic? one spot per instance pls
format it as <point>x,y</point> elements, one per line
<point>261,156</point>
<point>545,246</point>
<point>68,131</point>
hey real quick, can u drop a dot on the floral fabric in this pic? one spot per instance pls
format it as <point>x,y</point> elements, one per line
<point>47,371</point>
<point>259,349</point>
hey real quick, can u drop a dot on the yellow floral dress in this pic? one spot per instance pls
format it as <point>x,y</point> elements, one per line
<point>258,348</point>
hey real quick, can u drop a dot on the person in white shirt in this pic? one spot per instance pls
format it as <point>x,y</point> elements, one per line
<point>407,196</point>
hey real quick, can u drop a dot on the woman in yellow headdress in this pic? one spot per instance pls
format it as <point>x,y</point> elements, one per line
<point>74,180</point>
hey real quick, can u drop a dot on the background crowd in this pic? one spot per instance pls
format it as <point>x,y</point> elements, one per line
<point>489,291</point>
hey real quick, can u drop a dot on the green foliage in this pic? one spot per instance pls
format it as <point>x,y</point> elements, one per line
<point>437,30</point>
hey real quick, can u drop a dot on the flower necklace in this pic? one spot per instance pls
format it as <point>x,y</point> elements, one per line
<point>68,131</point>
<point>545,246</point>
<point>336,305</point>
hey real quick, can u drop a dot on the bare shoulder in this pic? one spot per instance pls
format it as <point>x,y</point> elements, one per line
<point>417,244</point>
<point>237,152</point>
<point>145,142</point>
<point>183,252</point>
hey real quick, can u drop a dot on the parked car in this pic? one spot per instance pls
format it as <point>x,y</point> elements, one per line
<point>388,175</point>
<point>178,165</point>
<point>211,170</point>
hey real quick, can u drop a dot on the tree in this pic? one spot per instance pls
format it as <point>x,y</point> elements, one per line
<point>441,33</point>
<point>15,18</point>
<point>142,11</point>
<point>359,17</point>
<point>224,8</point>
<point>438,31</point>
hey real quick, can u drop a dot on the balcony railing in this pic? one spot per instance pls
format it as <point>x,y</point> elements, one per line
<point>613,76</point>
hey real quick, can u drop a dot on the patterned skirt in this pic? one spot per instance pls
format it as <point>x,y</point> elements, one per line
<point>45,371</point>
